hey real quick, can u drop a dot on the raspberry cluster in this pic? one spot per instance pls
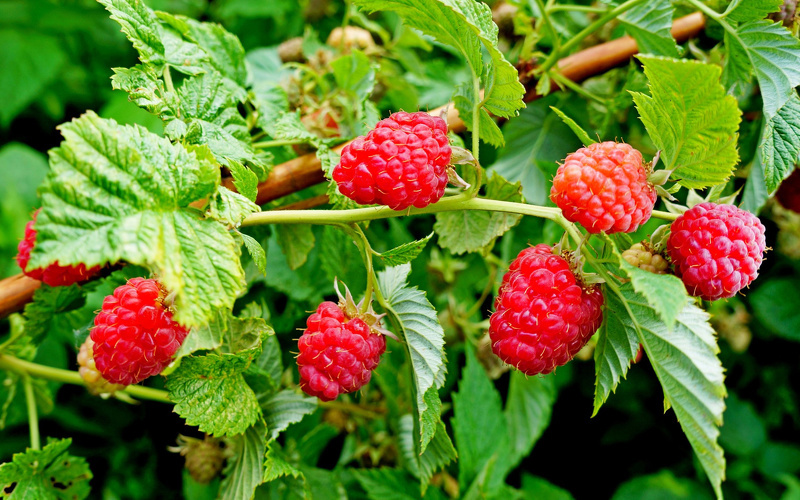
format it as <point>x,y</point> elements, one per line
<point>337,354</point>
<point>544,314</point>
<point>604,187</point>
<point>716,249</point>
<point>134,334</point>
<point>402,162</point>
<point>54,274</point>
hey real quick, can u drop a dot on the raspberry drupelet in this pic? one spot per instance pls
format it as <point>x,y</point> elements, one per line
<point>401,163</point>
<point>604,187</point>
<point>337,354</point>
<point>716,249</point>
<point>544,314</point>
<point>134,335</point>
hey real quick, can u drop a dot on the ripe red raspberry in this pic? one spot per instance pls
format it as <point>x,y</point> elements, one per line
<point>604,187</point>
<point>401,162</point>
<point>95,383</point>
<point>789,192</point>
<point>54,274</point>
<point>716,249</point>
<point>544,314</point>
<point>134,334</point>
<point>337,354</point>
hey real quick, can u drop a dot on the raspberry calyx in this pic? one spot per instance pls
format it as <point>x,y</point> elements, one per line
<point>716,249</point>
<point>402,162</point>
<point>134,334</point>
<point>605,187</point>
<point>544,313</point>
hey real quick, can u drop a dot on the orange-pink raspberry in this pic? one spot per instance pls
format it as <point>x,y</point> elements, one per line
<point>544,313</point>
<point>604,187</point>
<point>402,162</point>
<point>134,334</point>
<point>54,274</point>
<point>716,249</point>
<point>337,354</point>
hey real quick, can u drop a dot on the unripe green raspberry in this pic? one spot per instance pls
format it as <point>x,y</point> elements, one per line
<point>95,383</point>
<point>204,457</point>
<point>644,257</point>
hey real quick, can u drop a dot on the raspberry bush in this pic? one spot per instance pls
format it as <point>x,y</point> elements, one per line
<point>515,217</point>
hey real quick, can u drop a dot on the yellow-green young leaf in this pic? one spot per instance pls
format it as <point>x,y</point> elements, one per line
<point>773,53</point>
<point>354,73</point>
<point>244,471</point>
<point>257,253</point>
<point>49,473</point>
<point>144,88</point>
<point>690,119</point>
<point>473,231</point>
<point>780,143</point>
<point>245,180</point>
<point>752,10</point>
<point>439,452</point>
<point>465,100</point>
<point>649,24</point>
<point>464,25</point>
<point>424,340</point>
<point>230,208</point>
<point>120,193</point>
<point>206,337</point>
<point>569,122</point>
<point>141,26</point>
<point>405,253</point>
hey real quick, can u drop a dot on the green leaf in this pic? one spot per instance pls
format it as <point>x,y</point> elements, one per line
<point>276,465</point>
<point>773,52</point>
<point>285,408</point>
<point>755,193</point>
<point>224,50</point>
<point>464,25</point>
<point>120,193</point>
<point>691,375</point>
<point>296,241</point>
<point>476,231</point>
<point>690,119</point>
<point>775,304</point>
<point>665,293</point>
<point>257,252</point>
<point>206,337</point>
<point>30,63</point>
<point>649,24</point>
<point>737,71</point>
<point>752,10</point>
<point>49,473</point>
<point>582,135</point>
<point>141,26</point>
<point>617,345</point>
<point>354,73</point>
<point>744,433</point>
<point>405,253</point>
<point>392,484</point>
<point>210,111</point>
<point>144,88</point>
<point>230,208</point>
<point>424,340</point>
<point>210,392</point>
<point>780,143</point>
<point>46,304</point>
<point>245,180</point>
<point>478,425</point>
<point>245,469</point>
<point>536,487</point>
<point>535,141</point>
<point>465,100</point>
<point>529,406</point>
<point>661,486</point>
<point>439,452</point>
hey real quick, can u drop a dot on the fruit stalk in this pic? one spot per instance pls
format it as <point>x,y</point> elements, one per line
<point>33,417</point>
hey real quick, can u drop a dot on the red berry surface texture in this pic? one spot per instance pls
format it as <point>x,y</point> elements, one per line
<point>402,162</point>
<point>134,334</point>
<point>54,274</point>
<point>604,187</point>
<point>544,314</point>
<point>337,354</point>
<point>716,249</point>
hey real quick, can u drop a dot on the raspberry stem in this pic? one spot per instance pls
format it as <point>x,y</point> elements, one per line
<point>26,368</point>
<point>33,417</point>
